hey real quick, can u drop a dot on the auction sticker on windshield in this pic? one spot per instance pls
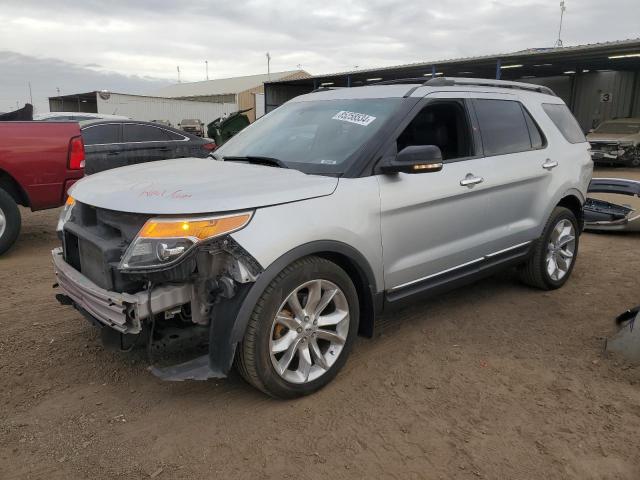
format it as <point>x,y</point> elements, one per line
<point>353,117</point>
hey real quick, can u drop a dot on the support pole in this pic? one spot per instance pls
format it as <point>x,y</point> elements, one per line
<point>498,70</point>
<point>433,71</point>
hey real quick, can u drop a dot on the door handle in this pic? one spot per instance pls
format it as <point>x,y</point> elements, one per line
<point>470,180</point>
<point>113,153</point>
<point>549,164</point>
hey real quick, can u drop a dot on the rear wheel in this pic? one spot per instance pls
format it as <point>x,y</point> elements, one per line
<point>301,330</point>
<point>554,253</point>
<point>10,221</point>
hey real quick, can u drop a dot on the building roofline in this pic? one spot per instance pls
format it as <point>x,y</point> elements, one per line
<point>521,54</point>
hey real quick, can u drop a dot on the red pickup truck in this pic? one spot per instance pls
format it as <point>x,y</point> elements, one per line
<point>39,161</point>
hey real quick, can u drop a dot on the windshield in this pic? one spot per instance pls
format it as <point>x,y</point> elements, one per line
<point>190,122</point>
<point>630,128</point>
<point>315,136</point>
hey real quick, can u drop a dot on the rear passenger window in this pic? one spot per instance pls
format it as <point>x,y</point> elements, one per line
<point>134,132</point>
<point>101,134</point>
<point>503,126</point>
<point>562,117</point>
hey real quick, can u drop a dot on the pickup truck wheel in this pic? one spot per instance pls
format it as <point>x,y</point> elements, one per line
<point>10,221</point>
<point>301,330</point>
<point>554,253</point>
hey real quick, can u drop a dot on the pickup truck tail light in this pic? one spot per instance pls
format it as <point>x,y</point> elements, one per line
<point>209,146</point>
<point>76,154</point>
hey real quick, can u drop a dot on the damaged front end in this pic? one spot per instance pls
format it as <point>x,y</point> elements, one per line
<point>157,278</point>
<point>608,216</point>
<point>614,152</point>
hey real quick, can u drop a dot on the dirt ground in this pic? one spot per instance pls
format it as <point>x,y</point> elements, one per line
<point>494,381</point>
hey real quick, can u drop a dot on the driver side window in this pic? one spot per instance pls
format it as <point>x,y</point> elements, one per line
<point>444,124</point>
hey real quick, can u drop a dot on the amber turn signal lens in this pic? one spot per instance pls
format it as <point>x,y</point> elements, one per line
<point>70,201</point>
<point>197,228</point>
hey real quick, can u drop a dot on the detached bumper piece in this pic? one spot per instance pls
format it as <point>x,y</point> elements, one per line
<point>626,341</point>
<point>121,311</point>
<point>602,215</point>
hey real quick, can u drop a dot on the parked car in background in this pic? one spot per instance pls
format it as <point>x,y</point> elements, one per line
<point>193,126</point>
<point>38,164</point>
<point>328,210</point>
<point>116,143</point>
<point>75,116</point>
<point>616,142</point>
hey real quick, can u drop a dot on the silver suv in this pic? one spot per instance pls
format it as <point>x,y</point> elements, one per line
<point>337,206</point>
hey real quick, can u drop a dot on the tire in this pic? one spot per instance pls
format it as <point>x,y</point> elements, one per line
<point>10,221</point>
<point>635,160</point>
<point>552,248</point>
<point>309,347</point>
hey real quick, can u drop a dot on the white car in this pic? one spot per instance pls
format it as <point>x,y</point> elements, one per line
<point>336,206</point>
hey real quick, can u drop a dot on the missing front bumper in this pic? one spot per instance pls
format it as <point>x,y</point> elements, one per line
<point>121,311</point>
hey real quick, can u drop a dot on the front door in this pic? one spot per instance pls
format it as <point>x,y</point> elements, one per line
<point>434,223</point>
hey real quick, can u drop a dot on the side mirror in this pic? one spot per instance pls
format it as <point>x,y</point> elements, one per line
<point>415,159</point>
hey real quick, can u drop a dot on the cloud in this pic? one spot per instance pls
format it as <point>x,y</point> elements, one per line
<point>150,38</point>
<point>47,75</point>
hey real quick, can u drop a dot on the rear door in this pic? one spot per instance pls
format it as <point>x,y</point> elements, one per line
<point>435,223</point>
<point>103,147</point>
<point>521,169</point>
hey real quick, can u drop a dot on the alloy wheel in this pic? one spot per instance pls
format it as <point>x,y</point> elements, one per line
<point>309,331</point>
<point>561,249</point>
<point>3,223</point>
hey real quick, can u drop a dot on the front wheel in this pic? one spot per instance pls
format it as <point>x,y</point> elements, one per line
<point>10,221</point>
<point>554,253</point>
<point>301,330</point>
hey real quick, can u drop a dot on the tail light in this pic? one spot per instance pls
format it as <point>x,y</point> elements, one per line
<point>76,153</point>
<point>209,146</point>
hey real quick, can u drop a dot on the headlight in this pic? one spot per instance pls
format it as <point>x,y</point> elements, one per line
<point>65,214</point>
<point>163,241</point>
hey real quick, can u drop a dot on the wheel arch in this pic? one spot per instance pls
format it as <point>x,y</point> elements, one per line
<point>343,255</point>
<point>13,188</point>
<point>573,203</point>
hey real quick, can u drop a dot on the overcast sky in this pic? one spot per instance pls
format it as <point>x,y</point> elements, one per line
<point>135,46</point>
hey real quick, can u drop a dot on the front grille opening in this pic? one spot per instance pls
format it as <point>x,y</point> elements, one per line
<point>72,250</point>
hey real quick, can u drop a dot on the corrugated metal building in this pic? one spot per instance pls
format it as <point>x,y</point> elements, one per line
<point>239,90</point>
<point>598,81</point>
<point>140,107</point>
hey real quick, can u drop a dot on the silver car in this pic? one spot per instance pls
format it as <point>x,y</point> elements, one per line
<point>333,208</point>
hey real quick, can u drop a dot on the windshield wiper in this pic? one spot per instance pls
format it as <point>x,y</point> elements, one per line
<point>268,161</point>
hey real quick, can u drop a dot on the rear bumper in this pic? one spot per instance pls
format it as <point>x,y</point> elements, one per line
<point>121,311</point>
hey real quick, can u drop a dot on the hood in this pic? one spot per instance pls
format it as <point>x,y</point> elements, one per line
<point>197,185</point>
<point>613,137</point>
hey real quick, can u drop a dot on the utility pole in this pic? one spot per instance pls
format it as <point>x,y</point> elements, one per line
<point>30,94</point>
<point>178,67</point>
<point>268,66</point>
<point>562,10</point>
<point>206,66</point>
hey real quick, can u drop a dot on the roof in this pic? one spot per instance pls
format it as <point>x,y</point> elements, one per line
<point>531,62</point>
<point>223,86</point>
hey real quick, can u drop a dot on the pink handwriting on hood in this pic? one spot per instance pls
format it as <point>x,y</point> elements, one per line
<point>173,195</point>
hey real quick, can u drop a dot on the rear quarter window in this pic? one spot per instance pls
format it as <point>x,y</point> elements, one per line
<point>564,120</point>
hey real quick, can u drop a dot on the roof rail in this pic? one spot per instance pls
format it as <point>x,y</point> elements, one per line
<point>396,81</point>
<point>486,82</point>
